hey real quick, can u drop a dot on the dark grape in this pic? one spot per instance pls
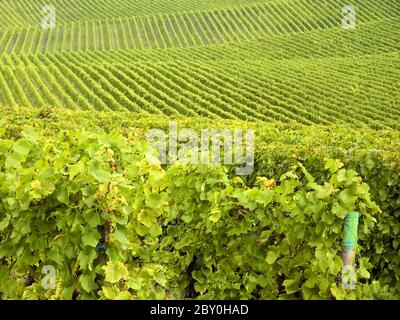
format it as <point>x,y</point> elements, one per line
<point>29,281</point>
<point>101,246</point>
<point>75,294</point>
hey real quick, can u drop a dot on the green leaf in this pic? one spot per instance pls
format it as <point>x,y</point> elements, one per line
<point>29,258</point>
<point>290,174</point>
<point>13,160</point>
<point>115,272</point>
<point>90,238</point>
<point>363,273</point>
<point>362,270</point>
<point>200,287</point>
<point>161,279</point>
<point>271,257</point>
<point>348,198</point>
<point>264,236</point>
<point>333,165</point>
<point>63,195</point>
<point>261,196</point>
<point>101,176</point>
<point>4,223</point>
<point>291,285</point>
<point>113,293</point>
<point>312,279</point>
<point>114,254</point>
<point>338,292</point>
<point>87,282</point>
<point>120,236</point>
<point>341,175</point>
<point>67,293</point>
<point>336,265</point>
<point>30,134</point>
<point>242,197</point>
<point>320,253</point>
<point>92,218</point>
<point>135,283</point>
<point>22,147</point>
<point>215,215</point>
<point>324,192</point>
<point>86,257</point>
<point>339,211</point>
<point>328,218</point>
<point>309,177</point>
<point>156,200</point>
<point>76,169</point>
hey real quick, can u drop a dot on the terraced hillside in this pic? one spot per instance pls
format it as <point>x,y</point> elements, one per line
<point>253,60</point>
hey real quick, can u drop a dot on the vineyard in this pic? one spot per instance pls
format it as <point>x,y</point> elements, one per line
<point>262,60</point>
<point>78,193</point>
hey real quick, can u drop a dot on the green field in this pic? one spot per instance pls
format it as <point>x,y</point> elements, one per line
<point>79,194</point>
<point>252,60</point>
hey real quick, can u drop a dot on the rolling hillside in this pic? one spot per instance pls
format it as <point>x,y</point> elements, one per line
<point>253,60</point>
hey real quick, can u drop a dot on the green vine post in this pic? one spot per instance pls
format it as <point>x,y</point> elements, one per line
<point>349,246</point>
